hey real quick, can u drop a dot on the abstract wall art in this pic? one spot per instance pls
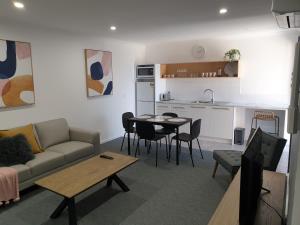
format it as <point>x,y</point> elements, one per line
<point>99,75</point>
<point>16,77</point>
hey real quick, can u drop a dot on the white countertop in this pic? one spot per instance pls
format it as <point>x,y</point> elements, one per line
<point>227,104</point>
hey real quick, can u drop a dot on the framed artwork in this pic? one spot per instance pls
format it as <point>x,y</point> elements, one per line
<point>16,76</point>
<point>99,75</point>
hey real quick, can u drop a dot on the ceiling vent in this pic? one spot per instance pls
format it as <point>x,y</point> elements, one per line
<point>287,13</point>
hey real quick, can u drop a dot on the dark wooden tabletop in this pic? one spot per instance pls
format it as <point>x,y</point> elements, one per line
<point>161,120</point>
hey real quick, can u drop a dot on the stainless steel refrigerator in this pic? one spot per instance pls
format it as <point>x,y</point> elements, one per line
<point>145,96</point>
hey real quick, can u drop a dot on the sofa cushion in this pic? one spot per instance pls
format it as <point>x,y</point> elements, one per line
<point>45,162</point>
<point>23,172</point>
<point>52,132</point>
<point>15,150</point>
<point>73,150</point>
<point>28,132</point>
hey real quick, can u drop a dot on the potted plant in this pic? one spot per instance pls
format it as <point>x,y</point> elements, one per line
<point>232,55</point>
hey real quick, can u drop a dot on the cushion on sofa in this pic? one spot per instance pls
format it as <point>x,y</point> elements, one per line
<point>73,150</point>
<point>23,172</point>
<point>52,132</point>
<point>28,132</point>
<point>15,150</point>
<point>45,162</point>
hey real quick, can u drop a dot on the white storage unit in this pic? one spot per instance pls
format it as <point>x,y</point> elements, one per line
<point>217,122</point>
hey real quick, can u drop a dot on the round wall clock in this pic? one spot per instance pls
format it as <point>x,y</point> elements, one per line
<point>198,51</point>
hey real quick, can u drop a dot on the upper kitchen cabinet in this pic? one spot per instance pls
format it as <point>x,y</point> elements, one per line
<point>200,70</point>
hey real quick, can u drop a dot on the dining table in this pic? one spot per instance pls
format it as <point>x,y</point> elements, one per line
<point>175,122</point>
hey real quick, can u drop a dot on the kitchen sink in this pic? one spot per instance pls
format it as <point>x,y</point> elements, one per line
<point>201,101</point>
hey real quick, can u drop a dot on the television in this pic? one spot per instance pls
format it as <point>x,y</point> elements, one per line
<point>251,179</point>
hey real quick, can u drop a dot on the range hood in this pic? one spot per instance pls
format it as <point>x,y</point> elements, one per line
<point>287,13</point>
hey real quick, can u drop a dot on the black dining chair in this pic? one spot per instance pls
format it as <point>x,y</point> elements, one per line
<point>147,132</point>
<point>128,126</point>
<point>185,137</point>
<point>167,129</point>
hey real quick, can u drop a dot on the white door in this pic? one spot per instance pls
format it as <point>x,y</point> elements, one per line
<point>201,112</point>
<point>144,107</point>
<point>222,122</point>
<point>145,91</point>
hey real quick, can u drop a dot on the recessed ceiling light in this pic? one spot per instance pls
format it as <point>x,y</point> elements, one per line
<point>19,5</point>
<point>113,28</point>
<point>223,11</point>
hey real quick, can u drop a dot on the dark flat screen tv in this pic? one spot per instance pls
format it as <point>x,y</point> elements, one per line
<point>251,179</point>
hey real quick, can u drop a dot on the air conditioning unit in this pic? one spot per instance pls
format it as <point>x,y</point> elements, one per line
<point>287,13</point>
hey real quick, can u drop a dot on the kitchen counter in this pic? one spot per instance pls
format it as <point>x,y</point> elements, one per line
<point>226,104</point>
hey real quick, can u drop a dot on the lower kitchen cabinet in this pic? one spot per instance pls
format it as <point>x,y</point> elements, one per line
<point>216,121</point>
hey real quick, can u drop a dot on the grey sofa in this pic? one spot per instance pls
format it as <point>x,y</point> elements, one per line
<point>63,146</point>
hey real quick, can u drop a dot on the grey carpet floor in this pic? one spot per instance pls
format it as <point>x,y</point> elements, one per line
<point>167,195</point>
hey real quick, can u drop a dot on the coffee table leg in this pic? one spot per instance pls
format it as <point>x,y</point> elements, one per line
<point>72,211</point>
<point>70,202</point>
<point>109,182</point>
<point>57,212</point>
<point>117,179</point>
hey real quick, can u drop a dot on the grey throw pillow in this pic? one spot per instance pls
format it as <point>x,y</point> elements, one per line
<point>15,150</point>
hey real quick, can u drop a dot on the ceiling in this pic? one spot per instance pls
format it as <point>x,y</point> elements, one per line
<point>145,21</point>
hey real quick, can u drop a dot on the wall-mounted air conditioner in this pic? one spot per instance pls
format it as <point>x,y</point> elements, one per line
<point>287,13</point>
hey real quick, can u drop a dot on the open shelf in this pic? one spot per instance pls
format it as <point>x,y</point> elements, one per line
<point>221,69</point>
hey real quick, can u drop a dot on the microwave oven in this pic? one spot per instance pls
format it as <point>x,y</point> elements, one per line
<point>145,71</point>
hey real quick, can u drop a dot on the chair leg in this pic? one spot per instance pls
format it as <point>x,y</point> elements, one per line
<point>137,147</point>
<point>215,169</point>
<point>170,146</point>
<point>191,154</point>
<point>156,154</point>
<point>167,154</point>
<point>134,139</point>
<point>200,148</point>
<point>123,142</point>
<point>148,148</point>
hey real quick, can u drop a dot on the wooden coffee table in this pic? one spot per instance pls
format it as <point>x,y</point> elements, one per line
<point>76,179</point>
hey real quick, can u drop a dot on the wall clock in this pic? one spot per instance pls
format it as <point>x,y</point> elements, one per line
<point>198,51</point>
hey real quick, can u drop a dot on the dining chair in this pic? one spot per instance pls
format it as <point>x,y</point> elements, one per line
<point>185,137</point>
<point>147,132</point>
<point>167,129</point>
<point>128,126</point>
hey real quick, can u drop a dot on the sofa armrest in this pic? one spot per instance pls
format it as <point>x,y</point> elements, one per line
<point>93,137</point>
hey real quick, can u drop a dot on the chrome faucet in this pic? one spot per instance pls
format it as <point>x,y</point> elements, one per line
<point>212,94</point>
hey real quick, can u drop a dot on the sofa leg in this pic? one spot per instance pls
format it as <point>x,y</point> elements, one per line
<point>215,169</point>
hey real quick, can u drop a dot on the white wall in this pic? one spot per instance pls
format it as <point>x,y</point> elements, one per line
<point>265,68</point>
<point>59,79</point>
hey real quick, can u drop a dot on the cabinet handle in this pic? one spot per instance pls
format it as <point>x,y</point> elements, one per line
<point>177,107</point>
<point>198,107</point>
<point>162,106</point>
<point>220,108</point>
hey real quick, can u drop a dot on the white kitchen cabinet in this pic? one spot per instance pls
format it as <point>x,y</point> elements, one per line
<point>201,112</point>
<point>162,108</point>
<point>182,111</point>
<point>221,122</point>
<point>216,121</point>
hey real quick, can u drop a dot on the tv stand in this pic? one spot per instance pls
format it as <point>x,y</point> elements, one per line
<point>227,211</point>
<point>265,189</point>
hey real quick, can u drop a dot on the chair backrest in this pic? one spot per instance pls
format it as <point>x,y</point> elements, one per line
<point>125,120</point>
<point>195,129</point>
<point>169,127</point>
<point>145,130</point>
<point>170,114</point>
<point>271,147</point>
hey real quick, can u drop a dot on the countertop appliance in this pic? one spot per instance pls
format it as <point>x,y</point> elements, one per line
<point>287,13</point>
<point>145,96</point>
<point>145,71</point>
